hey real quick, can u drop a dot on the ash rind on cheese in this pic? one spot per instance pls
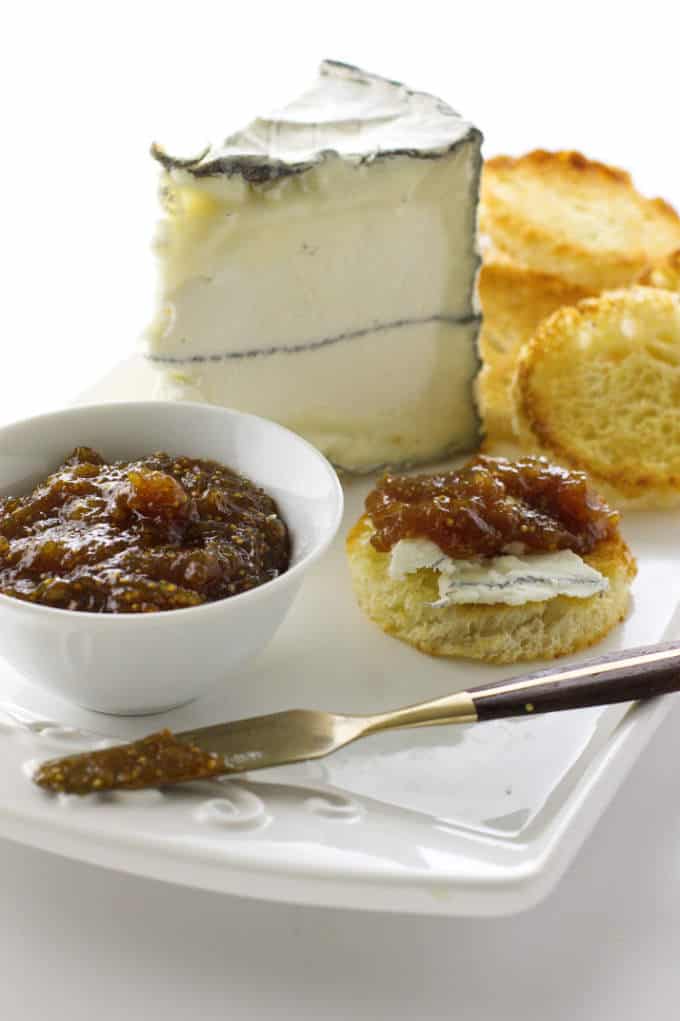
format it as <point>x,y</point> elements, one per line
<point>253,169</point>
<point>378,117</point>
<point>312,345</point>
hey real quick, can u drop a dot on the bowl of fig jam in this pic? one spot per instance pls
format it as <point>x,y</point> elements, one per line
<point>149,549</point>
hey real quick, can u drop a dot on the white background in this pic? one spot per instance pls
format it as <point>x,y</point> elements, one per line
<point>85,89</point>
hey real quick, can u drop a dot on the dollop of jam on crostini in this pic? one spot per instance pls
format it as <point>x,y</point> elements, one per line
<point>492,506</point>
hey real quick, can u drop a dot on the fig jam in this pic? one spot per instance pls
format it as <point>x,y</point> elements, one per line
<point>492,506</point>
<point>158,533</point>
<point>160,758</point>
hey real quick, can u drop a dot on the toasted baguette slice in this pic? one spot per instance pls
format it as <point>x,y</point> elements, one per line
<point>598,388</point>
<point>561,213</point>
<point>665,273</point>
<point>496,634</point>
<point>514,300</point>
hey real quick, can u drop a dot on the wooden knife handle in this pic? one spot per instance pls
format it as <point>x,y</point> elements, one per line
<point>616,677</point>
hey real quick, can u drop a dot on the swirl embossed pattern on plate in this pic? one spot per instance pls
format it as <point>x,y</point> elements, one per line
<point>227,804</point>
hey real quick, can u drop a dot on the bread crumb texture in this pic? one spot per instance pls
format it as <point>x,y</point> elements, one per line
<point>577,219</point>
<point>598,388</point>
<point>664,273</point>
<point>495,634</point>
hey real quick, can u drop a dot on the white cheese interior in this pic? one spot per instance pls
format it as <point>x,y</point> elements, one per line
<point>509,579</point>
<point>340,300</point>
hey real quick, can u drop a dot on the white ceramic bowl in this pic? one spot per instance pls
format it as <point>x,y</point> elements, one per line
<point>142,663</point>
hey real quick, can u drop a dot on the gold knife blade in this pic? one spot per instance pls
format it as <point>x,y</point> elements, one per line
<point>261,742</point>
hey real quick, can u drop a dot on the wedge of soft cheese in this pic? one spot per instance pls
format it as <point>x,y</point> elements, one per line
<point>319,268</point>
<point>532,577</point>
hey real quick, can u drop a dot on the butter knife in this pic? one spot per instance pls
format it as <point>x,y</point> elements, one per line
<point>299,734</point>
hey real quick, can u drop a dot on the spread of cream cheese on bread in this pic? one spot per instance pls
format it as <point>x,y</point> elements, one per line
<point>513,579</point>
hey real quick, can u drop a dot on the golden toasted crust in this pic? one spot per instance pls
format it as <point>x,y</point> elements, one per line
<point>575,218</point>
<point>665,273</point>
<point>598,388</point>
<point>496,634</point>
<point>514,300</point>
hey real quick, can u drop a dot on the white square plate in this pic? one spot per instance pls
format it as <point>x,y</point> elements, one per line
<point>479,819</point>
